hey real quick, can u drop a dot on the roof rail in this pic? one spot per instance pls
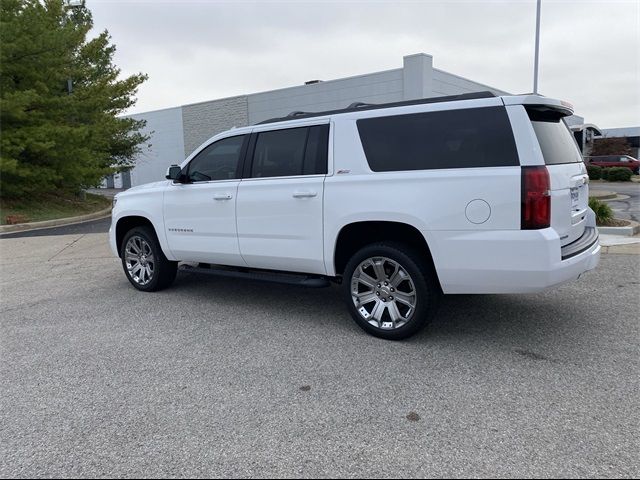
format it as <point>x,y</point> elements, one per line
<point>297,113</point>
<point>359,106</point>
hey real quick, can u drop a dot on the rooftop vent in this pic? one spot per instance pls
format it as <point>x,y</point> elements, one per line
<point>311,82</point>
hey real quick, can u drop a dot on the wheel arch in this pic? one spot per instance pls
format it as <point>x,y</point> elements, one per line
<point>124,224</point>
<point>356,235</point>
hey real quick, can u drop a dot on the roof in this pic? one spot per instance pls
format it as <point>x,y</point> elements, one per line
<point>621,132</point>
<point>530,100</point>
<point>586,126</point>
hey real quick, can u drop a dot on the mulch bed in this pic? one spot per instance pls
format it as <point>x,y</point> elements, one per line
<point>615,222</point>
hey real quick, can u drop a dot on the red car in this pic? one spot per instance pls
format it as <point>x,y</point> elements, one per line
<point>606,161</point>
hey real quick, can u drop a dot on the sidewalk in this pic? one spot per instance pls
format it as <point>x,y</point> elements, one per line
<point>619,244</point>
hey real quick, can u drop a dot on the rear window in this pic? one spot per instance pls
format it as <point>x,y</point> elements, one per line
<point>556,141</point>
<point>474,137</point>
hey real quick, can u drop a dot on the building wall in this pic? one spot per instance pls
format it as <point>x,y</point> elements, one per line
<point>202,121</point>
<point>621,132</point>
<point>378,87</point>
<point>574,120</point>
<point>167,145</point>
<point>179,131</point>
<point>445,83</point>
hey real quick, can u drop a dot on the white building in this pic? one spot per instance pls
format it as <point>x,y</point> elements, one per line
<point>177,131</point>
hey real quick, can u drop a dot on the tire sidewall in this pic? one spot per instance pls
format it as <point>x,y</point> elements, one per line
<point>157,253</point>
<point>426,294</point>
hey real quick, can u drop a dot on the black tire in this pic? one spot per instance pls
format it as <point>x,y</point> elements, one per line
<point>425,285</point>
<point>164,270</point>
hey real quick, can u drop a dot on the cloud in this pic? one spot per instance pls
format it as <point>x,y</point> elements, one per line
<point>200,50</point>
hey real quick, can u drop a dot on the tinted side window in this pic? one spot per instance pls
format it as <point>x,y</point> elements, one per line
<point>294,151</point>
<point>218,161</point>
<point>475,137</point>
<point>315,159</point>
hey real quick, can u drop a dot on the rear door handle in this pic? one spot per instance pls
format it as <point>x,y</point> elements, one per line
<point>304,194</point>
<point>222,196</point>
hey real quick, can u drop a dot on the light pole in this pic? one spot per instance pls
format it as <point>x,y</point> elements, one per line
<point>537,56</point>
<point>72,4</point>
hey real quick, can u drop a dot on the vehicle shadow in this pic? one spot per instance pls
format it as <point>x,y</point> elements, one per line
<point>523,317</point>
<point>527,320</point>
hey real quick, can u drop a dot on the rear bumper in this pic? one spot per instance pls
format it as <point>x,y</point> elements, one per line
<point>509,261</point>
<point>584,243</point>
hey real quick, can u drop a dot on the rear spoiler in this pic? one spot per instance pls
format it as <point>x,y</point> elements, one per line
<point>540,103</point>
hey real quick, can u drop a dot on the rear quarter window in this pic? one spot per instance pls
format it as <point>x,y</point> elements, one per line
<point>466,138</point>
<point>557,143</point>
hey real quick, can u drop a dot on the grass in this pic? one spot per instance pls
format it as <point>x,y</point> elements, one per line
<point>49,207</point>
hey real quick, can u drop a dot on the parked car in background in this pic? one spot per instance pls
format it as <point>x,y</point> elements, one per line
<point>606,161</point>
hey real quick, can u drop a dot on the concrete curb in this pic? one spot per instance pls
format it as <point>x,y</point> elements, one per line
<point>617,198</point>
<point>627,231</point>
<point>58,222</point>
<point>620,244</point>
<point>630,249</point>
<point>602,194</point>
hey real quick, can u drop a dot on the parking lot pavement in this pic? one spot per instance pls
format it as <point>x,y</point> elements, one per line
<point>627,207</point>
<point>215,377</point>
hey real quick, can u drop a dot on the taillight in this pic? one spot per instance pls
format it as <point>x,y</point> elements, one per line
<point>536,200</point>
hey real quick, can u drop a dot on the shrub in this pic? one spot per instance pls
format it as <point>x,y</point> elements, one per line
<point>603,212</point>
<point>595,172</point>
<point>619,174</point>
<point>605,174</point>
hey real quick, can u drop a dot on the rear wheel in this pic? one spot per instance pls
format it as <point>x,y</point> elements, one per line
<point>143,261</point>
<point>390,290</point>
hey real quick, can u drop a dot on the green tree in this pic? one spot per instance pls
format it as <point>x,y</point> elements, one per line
<point>52,138</point>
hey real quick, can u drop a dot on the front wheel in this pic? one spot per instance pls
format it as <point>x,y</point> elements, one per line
<point>390,290</point>
<point>143,261</point>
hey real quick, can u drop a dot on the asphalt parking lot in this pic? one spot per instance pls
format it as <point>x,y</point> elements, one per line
<point>628,205</point>
<point>233,378</point>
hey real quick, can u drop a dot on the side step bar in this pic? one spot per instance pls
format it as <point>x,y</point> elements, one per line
<point>298,279</point>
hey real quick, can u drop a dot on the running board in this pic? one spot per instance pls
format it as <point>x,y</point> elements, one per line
<point>298,279</point>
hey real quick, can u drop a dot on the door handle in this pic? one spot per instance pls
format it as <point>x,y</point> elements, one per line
<point>304,194</point>
<point>222,196</point>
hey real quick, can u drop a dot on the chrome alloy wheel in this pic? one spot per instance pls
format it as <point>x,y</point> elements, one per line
<point>139,260</point>
<point>383,292</point>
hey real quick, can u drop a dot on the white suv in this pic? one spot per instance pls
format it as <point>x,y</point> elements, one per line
<point>398,202</point>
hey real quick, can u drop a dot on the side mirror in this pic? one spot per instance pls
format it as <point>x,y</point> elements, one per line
<point>173,172</point>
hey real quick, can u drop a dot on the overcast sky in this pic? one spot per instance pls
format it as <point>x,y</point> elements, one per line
<point>201,50</point>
